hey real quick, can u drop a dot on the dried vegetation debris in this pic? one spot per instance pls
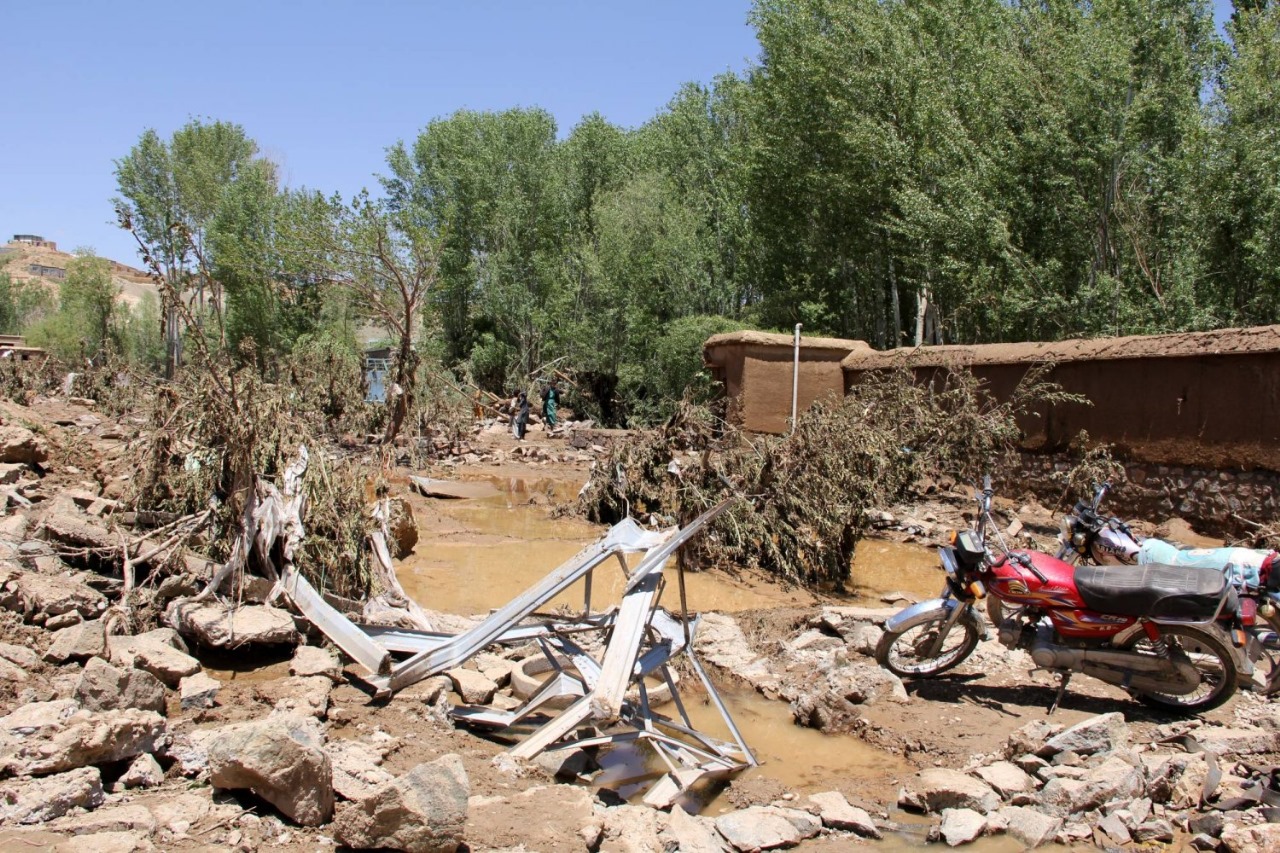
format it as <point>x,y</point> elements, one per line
<point>812,494</point>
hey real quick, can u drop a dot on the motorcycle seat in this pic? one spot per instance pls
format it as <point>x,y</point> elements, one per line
<point>1167,592</point>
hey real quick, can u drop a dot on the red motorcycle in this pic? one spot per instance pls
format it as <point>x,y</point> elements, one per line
<point>1152,630</point>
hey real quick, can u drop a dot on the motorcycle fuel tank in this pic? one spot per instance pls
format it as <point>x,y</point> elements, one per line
<point>1056,595</point>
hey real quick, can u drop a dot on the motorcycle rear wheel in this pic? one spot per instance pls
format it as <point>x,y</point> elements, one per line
<point>905,653</point>
<point>1210,655</point>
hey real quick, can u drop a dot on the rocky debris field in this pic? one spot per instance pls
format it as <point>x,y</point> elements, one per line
<point>189,723</point>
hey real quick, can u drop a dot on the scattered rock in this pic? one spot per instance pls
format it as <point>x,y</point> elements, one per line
<point>941,788</point>
<point>832,704</point>
<point>103,687</point>
<point>160,652</point>
<point>78,642</point>
<point>280,759</point>
<point>836,813</point>
<point>84,738</point>
<point>217,625</point>
<point>198,691</point>
<point>125,818</point>
<point>473,687</point>
<point>1103,733</point>
<point>313,660</point>
<point>356,771</point>
<point>765,828</point>
<point>1252,839</point>
<point>423,811</point>
<point>1155,830</point>
<point>144,772</point>
<point>19,656</point>
<point>39,800</point>
<point>1029,826</point>
<point>630,829</point>
<point>297,695</point>
<point>688,833</point>
<point>960,826</point>
<point>22,446</point>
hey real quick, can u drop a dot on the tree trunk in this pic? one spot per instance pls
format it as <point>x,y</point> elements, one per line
<point>895,306</point>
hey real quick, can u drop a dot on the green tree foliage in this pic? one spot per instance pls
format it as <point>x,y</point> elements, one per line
<point>898,171</point>
<point>86,324</point>
<point>21,303</point>
<point>171,194</point>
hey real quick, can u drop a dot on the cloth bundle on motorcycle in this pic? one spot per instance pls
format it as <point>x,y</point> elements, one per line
<point>1242,565</point>
<point>1158,591</point>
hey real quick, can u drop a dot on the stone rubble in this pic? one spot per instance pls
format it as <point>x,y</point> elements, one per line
<point>114,741</point>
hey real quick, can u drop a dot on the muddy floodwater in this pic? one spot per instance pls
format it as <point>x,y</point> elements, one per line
<point>487,551</point>
<point>475,555</point>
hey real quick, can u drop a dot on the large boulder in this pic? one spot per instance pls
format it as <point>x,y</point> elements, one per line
<point>217,625</point>
<point>960,826</point>
<point>83,738</point>
<point>1007,778</point>
<point>280,759</point>
<point>103,687</point>
<point>49,797</point>
<point>1262,838</point>
<point>720,641</point>
<point>1114,779</point>
<point>423,811</point>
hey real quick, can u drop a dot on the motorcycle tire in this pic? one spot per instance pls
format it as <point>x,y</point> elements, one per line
<point>896,647</point>
<point>1208,654</point>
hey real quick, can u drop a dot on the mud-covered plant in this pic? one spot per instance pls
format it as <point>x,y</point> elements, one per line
<point>1093,464</point>
<point>807,495</point>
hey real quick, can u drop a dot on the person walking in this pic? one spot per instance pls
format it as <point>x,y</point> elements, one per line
<point>550,404</point>
<point>522,415</point>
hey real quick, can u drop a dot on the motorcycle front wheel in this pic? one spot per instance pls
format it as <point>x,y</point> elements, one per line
<point>906,653</point>
<point>1209,655</point>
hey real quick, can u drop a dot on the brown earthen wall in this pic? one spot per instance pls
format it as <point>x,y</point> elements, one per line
<point>1211,411</point>
<point>766,384</point>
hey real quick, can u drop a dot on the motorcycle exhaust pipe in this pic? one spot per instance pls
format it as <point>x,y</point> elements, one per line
<point>1141,672</point>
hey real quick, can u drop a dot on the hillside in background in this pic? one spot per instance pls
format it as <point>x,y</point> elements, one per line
<point>46,263</point>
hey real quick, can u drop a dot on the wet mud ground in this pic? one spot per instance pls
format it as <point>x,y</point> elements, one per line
<point>477,554</point>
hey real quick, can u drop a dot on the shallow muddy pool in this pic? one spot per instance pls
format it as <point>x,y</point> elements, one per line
<point>495,548</point>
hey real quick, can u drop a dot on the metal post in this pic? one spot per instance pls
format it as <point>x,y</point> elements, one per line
<point>795,380</point>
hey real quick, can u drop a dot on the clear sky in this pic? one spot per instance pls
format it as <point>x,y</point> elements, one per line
<point>323,86</point>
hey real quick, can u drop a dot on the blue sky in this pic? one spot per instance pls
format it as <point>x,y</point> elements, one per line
<point>324,87</point>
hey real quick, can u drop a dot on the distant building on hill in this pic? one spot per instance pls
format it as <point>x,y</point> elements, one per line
<point>47,272</point>
<point>35,240</point>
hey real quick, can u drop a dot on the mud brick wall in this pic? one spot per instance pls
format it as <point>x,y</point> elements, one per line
<point>1216,502</point>
<point>757,371</point>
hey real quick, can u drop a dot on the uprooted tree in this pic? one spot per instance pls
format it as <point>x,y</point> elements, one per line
<point>809,493</point>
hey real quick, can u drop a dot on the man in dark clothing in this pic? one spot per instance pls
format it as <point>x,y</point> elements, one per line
<point>522,414</point>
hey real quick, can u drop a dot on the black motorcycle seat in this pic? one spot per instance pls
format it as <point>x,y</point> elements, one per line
<point>1167,592</point>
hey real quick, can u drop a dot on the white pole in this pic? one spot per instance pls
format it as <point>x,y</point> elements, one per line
<point>795,380</point>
